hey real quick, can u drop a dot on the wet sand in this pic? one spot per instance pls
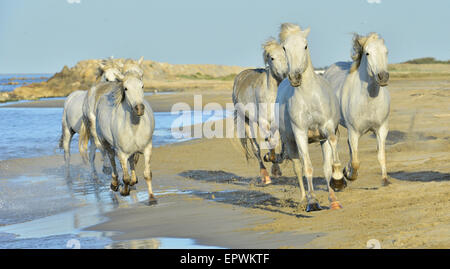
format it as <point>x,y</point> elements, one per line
<point>159,102</point>
<point>219,202</point>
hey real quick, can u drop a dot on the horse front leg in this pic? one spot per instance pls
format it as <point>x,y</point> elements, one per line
<point>123,159</point>
<point>328,171</point>
<point>301,138</point>
<point>381,134</point>
<point>148,174</point>
<point>337,181</point>
<point>114,176</point>
<point>133,162</point>
<point>351,171</point>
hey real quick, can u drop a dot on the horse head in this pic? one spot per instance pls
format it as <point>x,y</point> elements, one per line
<point>295,45</point>
<point>275,59</point>
<point>372,54</point>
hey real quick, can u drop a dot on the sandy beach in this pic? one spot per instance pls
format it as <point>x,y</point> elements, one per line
<point>208,192</point>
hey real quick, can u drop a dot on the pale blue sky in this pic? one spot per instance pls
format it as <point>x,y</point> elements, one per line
<point>44,35</point>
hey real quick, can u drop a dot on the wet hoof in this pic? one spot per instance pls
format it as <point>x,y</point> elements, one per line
<point>107,170</point>
<point>386,182</point>
<point>313,207</point>
<point>114,188</point>
<point>125,191</point>
<point>152,201</point>
<point>132,183</point>
<point>355,175</point>
<point>338,184</point>
<point>335,205</point>
<point>276,171</point>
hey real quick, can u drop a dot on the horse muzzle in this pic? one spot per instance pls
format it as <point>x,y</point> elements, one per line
<point>139,109</point>
<point>295,80</point>
<point>383,78</point>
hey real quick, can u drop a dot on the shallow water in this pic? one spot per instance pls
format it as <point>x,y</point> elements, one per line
<point>21,79</point>
<point>50,211</point>
<point>33,132</point>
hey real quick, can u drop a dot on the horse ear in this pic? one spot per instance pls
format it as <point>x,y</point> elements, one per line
<point>141,60</point>
<point>102,65</point>
<point>362,40</point>
<point>120,77</point>
<point>306,32</point>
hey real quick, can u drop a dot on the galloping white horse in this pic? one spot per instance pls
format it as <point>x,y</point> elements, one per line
<point>125,125</point>
<point>258,88</point>
<point>73,113</point>
<point>361,88</point>
<point>309,112</point>
<point>88,130</point>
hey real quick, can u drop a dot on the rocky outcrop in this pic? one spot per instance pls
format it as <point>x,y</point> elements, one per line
<point>157,76</point>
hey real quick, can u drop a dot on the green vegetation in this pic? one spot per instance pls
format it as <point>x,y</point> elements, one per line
<point>427,60</point>
<point>200,76</point>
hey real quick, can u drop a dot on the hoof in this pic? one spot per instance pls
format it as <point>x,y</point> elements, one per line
<point>336,205</point>
<point>107,170</point>
<point>114,188</point>
<point>385,182</point>
<point>132,183</point>
<point>265,178</point>
<point>276,171</point>
<point>313,207</point>
<point>152,201</point>
<point>355,175</point>
<point>338,184</point>
<point>125,191</point>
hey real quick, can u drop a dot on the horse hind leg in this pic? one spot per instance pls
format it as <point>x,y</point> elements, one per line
<point>263,171</point>
<point>106,163</point>
<point>148,174</point>
<point>92,150</point>
<point>65,143</point>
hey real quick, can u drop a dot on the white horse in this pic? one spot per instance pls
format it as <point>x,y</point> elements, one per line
<point>125,125</point>
<point>88,132</point>
<point>361,88</point>
<point>72,115</point>
<point>309,112</point>
<point>258,88</point>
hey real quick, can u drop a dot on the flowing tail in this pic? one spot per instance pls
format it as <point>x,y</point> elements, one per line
<point>83,140</point>
<point>244,140</point>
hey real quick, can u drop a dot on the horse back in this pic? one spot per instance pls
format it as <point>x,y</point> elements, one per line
<point>247,79</point>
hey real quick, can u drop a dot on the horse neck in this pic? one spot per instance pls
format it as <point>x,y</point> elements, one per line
<point>128,110</point>
<point>271,80</point>
<point>309,74</point>
<point>368,85</point>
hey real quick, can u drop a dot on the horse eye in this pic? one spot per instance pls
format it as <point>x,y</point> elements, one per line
<point>125,89</point>
<point>284,49</point>
<point>367,54</point>
<point>306,46</point>
<point>272,58</point>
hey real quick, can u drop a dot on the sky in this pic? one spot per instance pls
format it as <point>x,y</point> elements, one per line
<point>41,36</point>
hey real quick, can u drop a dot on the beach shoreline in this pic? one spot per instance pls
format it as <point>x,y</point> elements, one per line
<point>221,203</point>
